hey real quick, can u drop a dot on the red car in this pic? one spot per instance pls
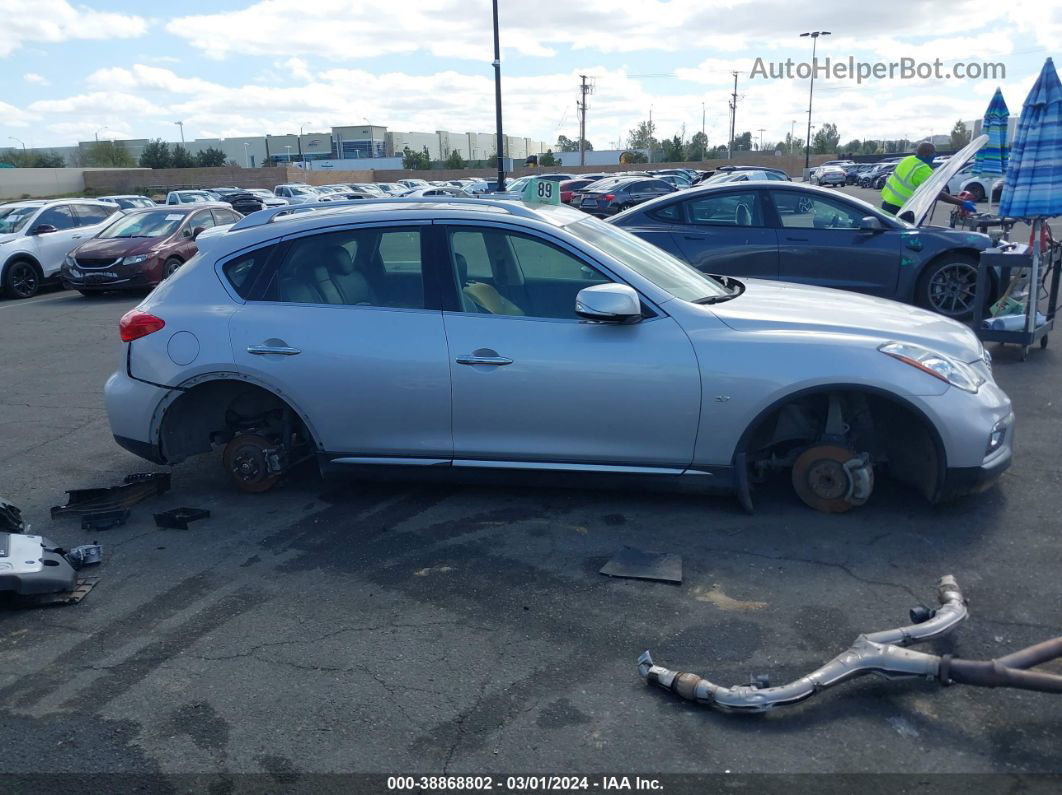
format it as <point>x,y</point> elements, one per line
<point>569,186</point>
<point>141,248</point>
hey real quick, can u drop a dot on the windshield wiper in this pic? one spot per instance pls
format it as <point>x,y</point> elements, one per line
<point>733,287</point>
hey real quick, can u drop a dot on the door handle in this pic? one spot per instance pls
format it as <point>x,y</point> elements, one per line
<point>798,239</point>
<point>694,237</point>
<point>498,361</point>
<point>281,350</point>
<point>76,237</point>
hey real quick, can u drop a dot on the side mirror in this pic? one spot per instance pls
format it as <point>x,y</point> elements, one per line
<point>609,303</point>
<point>868,223</point>
<point>198,231</point>
<point>43,229</point>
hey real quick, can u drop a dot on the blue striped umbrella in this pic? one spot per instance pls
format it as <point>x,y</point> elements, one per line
<point>1033,187</point>
<point>992,159</point>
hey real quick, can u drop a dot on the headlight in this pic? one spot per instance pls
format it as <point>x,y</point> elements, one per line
<point>136,260</point>
<point>958,374</point>
<point>69,261</point>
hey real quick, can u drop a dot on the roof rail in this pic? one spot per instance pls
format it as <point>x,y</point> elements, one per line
<point>267,216</point>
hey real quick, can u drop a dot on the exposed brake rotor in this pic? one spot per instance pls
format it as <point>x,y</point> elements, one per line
<point>252,463</point>
<point>833,479</point>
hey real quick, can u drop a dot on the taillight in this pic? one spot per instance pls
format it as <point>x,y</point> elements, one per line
<point>609,197</point>
<point>136,324</point>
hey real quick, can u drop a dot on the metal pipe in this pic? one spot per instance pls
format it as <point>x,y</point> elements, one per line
<point>500,145</point>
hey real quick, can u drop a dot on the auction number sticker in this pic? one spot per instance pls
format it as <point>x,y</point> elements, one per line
<point>541,191</point>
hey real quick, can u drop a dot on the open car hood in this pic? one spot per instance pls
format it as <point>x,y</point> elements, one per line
<point>921,201</point>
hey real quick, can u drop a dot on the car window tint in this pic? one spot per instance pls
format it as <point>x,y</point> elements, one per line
<point>203,219</point>
<point>531,277</point>
<point>61,217</point>
<point>798,210</point>
<point>727,209</point>
<point>90,215</point>
<point>243,271</point>
<point>354,267</point>
<point>669,213</point>
<point>222,217</point>
<point>472,248</point>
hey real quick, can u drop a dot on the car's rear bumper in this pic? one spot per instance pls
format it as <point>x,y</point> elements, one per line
<point>134,414</point>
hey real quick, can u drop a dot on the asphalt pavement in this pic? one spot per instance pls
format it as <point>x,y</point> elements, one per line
<point>353,627</point>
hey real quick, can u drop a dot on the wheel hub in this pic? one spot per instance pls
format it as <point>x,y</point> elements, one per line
<point>247,459</point>
<point>832,479</point>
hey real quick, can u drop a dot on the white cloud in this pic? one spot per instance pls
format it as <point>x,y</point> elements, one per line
<point>36,79</point>
<point>52,21</point>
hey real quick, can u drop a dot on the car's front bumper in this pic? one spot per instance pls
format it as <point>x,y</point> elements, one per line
<point>971,480</point>
<point>114,277</point>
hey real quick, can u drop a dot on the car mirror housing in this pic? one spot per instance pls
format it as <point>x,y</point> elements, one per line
<point>609,303</point>
<point>198,231</point>
<point>868,223</point>
<point>43,229</point>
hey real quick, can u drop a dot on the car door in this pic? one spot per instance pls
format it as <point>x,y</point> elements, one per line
<point>726,232</point>
<point>536,387</point>
<point>365,359</point>
<point>819,242</point>
<point>50,248</point>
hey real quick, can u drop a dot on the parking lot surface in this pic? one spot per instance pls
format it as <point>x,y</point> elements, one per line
<point>338,627</point>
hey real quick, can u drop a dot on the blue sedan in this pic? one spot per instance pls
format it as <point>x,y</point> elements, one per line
<point>801,233</point>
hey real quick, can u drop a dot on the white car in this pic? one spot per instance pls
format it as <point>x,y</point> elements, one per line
<point>36,236</point>
<point>297,193</point>
<point>191,197</point>
<point>266,197</point>
<point>128,201</point>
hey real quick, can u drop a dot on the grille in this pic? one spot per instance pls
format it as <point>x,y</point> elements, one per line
<point>90,262</point>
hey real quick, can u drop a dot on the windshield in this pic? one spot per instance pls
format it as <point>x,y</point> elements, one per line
<point>12,219</point>
<point>303,192</point>
<point>155,224</point>
<point>645,259</point>
<point>193,197</point>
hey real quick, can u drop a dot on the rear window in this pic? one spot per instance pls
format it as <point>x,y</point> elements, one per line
<point>243,272</point>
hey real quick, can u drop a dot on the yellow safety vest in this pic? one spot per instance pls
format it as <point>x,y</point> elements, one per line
<point>909,174</point>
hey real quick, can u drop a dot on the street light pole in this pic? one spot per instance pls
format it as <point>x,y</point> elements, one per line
<point>500,145</point>
<point>13,138</point>
<point>97,133</point>
<point>181,125</point>
<point>811,90</point>
<point>246,155</point>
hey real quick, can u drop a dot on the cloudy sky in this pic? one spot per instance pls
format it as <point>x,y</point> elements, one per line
<point>243,67</point>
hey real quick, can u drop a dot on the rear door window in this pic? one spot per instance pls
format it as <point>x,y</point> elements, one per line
<point>90,215</point>
<point>726,209</point>
<point>61,217</point>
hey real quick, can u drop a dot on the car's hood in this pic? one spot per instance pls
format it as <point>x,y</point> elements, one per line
<point>921,201</point>
<point>784,306</point>
<point>114,247</point>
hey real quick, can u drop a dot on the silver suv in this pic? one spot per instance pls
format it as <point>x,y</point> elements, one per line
<point>36,236</point>
<point>480,335</point>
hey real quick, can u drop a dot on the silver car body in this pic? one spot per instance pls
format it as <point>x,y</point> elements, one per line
<point>674,394</point>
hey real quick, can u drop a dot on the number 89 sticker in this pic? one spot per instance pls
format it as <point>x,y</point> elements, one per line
<point>541,191</point>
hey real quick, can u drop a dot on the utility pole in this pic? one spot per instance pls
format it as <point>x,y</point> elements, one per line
<point>760,130</point>
<point>500,146</point>
<point>181,125</point>
<point>811,90</point>
<point>584,89</point>
<point>650,142</point>
<point>733,117</point>
<point>792,129</point>
<point>702,124</point>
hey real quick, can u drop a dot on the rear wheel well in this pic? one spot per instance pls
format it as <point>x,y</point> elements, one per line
<point>894,433</point>
<point>214,412</point>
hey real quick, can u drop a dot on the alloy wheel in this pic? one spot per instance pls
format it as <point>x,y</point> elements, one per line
<point>22,280</point>
<point>952,288</point>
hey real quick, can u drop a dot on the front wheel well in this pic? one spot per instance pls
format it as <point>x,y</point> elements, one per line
<point>213,412</point>
<point>894,433</point>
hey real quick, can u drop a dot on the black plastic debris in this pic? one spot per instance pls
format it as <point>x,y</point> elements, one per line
<point>32,564</point>
<point>10,517</point>
<point>84,555</point>
<point>178,518</point>
<point>641,565</point>
<point>135,488</point>
<point>104,520</point>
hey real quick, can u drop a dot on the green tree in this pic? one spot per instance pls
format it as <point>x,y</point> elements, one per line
<point>209,158</point>
<point>697,147</point>
<point>674,151</point>
<point>156,155</point>
<point>549,159</point>
<point>960,136</point>
<point>19,158</point>
<point>182,158</point>
<point>642,136</point>
<point>870,147</point>
<point>48,160</point>
<point>743,142</point>
<point>566,144</point>
<point>108,153</point>
<point>633,156</point>
<point>826,139</point>
<point>853,147</point>
<point>455,160</point>
<point>415,161</point>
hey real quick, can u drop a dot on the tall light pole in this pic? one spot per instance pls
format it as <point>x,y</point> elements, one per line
<point>181,125</point>
<point>288,148</point>
<point>13,138</point>
<point>500,145</point>
<point>811,90</point>
<point>372,139</point>
<point>792,129</point>
<point>246,155</point>
<point>96,135</point>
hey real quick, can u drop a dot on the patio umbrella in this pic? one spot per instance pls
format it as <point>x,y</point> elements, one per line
<point>1033,186</point>
<point>992,159</point>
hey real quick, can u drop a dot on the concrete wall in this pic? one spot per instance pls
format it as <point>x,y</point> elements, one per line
<point>41,183</point>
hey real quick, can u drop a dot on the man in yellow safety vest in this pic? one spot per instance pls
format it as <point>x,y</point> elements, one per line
<point>911,172</point>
